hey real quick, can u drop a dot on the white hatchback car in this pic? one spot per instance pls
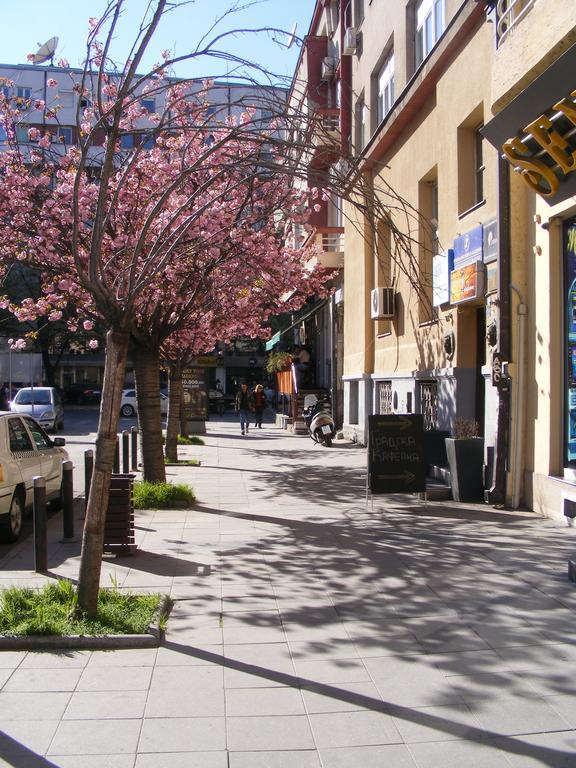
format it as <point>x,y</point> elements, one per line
<point>25,451</point>
<point>43,403</point>
<point>129,404</point>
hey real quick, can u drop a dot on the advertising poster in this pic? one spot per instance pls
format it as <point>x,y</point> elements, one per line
<point>570,337</point>
<point>195,386</point>
<point>467,283</point>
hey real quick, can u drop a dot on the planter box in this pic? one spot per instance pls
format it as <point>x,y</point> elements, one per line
<point>466,462</point>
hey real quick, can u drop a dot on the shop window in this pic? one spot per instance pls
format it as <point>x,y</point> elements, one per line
<point>570,343</point>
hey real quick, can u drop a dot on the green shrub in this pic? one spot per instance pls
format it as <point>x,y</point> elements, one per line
<point>161,495</point>
<point>183,462</point>
<point>52,611</point>
<point>191,440</point>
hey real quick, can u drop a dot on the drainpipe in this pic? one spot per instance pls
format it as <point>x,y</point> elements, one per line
<point>519,410</point>
<point>497,493</point>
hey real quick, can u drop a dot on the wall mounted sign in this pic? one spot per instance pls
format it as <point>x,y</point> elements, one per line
<point>469,247</point>
<point>490,236</point>
<point>467,283</point>
<point>535,132</point>
<point>442,265</point>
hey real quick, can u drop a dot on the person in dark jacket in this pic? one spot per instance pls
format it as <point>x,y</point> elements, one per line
<point>244,404</point>
<point>259,405</point>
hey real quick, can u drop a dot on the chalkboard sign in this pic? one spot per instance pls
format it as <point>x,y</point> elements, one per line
<point>396,454</point>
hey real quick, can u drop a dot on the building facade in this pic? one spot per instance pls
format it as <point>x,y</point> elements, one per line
<point>458,118</point>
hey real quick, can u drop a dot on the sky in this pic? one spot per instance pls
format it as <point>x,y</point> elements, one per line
<point>28,24</point>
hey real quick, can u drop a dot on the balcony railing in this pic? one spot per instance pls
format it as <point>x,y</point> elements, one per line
<point>329,243</point>
<point>326,127</point>
<point>508,14</point>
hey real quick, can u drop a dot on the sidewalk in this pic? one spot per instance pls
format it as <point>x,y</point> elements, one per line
<point>312,630</point>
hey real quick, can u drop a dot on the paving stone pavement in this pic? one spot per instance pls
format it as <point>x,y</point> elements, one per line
<point>312,629</point>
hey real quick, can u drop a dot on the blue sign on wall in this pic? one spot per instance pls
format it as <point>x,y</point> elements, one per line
<point>468,248</point>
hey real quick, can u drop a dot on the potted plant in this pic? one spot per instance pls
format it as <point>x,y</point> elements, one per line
<point>465,454</point>
<point>278,361</point>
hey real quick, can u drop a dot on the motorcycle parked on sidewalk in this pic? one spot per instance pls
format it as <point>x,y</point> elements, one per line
<point>318,420</point>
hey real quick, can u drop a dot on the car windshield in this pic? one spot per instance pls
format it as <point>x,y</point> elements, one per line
<point>32,397</point>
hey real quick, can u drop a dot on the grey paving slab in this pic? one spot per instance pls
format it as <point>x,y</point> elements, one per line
<point>456,754</point>
<point>192,734</point>
<point>381,756</point>
<point>95,737</point>
<point>270,733</point>
<point>517,715</point>
<point>354,729</point>
<point>43,680</point>
<point>264,701</point>
<point>557,750</point>
<point>32,705</point>
<point>26,738</point>
<point>92,761</point>
<point>133,657</point>
<point>105,705</point>
<point>130,678</point>
<point>276,759</point>
<point>182,760</point>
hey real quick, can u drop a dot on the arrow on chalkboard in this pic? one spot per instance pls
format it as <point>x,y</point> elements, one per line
<point>407,477</point>
<point>401,423</point>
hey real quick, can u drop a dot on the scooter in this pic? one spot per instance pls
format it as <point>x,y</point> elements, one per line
<point>319,421</point>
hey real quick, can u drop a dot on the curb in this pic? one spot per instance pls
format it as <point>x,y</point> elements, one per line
<point>152,639</point>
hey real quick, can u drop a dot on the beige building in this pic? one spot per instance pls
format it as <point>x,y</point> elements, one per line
<point>459,276</point>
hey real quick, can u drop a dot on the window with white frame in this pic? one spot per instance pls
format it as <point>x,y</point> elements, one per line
<point>385,88</point>
<point>23,92</point>
<point>429,26</point>
<point>361,121</point>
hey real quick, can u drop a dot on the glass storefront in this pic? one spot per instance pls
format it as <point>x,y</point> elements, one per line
<point>569,247</point>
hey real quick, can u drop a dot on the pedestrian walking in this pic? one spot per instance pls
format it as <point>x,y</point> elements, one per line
<point>259,405</point>
<point>243,405</point>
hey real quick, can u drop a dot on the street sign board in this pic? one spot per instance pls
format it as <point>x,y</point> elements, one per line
<point>396,453</point>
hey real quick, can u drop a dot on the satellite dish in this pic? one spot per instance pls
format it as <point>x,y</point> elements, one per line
<point>292,37</point>
<point>45,51</point>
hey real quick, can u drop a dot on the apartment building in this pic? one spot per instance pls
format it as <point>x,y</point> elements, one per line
<point>459,118</point>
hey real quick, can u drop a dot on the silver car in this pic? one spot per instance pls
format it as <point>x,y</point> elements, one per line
<point>43,403</point>
<point>25,451</point>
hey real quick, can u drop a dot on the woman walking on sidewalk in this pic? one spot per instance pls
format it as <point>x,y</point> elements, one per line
<point>244,404</point>
<point>259,405</point>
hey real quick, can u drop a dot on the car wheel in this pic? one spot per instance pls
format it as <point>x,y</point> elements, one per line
<point>127,410</point>
<point>11,524</point>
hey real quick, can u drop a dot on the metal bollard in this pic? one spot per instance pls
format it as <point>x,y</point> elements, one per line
<point>40,530</point>
<point>116,467</point>
<point>134,440</point>
<point>68,500</point>
<point>88,469</point>
<point>126,452</point>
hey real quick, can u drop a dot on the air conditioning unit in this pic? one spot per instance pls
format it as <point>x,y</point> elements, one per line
<point>328,68</point>
<point>382,303</point>
<point>350,41</point>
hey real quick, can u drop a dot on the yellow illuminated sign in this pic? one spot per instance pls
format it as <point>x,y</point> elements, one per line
<point>542,178</point>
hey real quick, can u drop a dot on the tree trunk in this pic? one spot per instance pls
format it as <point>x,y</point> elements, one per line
<point>93,535</point>
<point>183,418</point>
<point>174,405</point>
<point>147,370</point>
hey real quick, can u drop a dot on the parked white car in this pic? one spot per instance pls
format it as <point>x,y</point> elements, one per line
<point>43,403</point>
<point>129,404</point>
<point>25,451</point>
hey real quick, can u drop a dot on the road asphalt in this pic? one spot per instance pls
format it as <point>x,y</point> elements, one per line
<point>311,628</point>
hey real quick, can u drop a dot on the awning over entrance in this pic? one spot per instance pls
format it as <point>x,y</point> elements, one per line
<point>304,315</point>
